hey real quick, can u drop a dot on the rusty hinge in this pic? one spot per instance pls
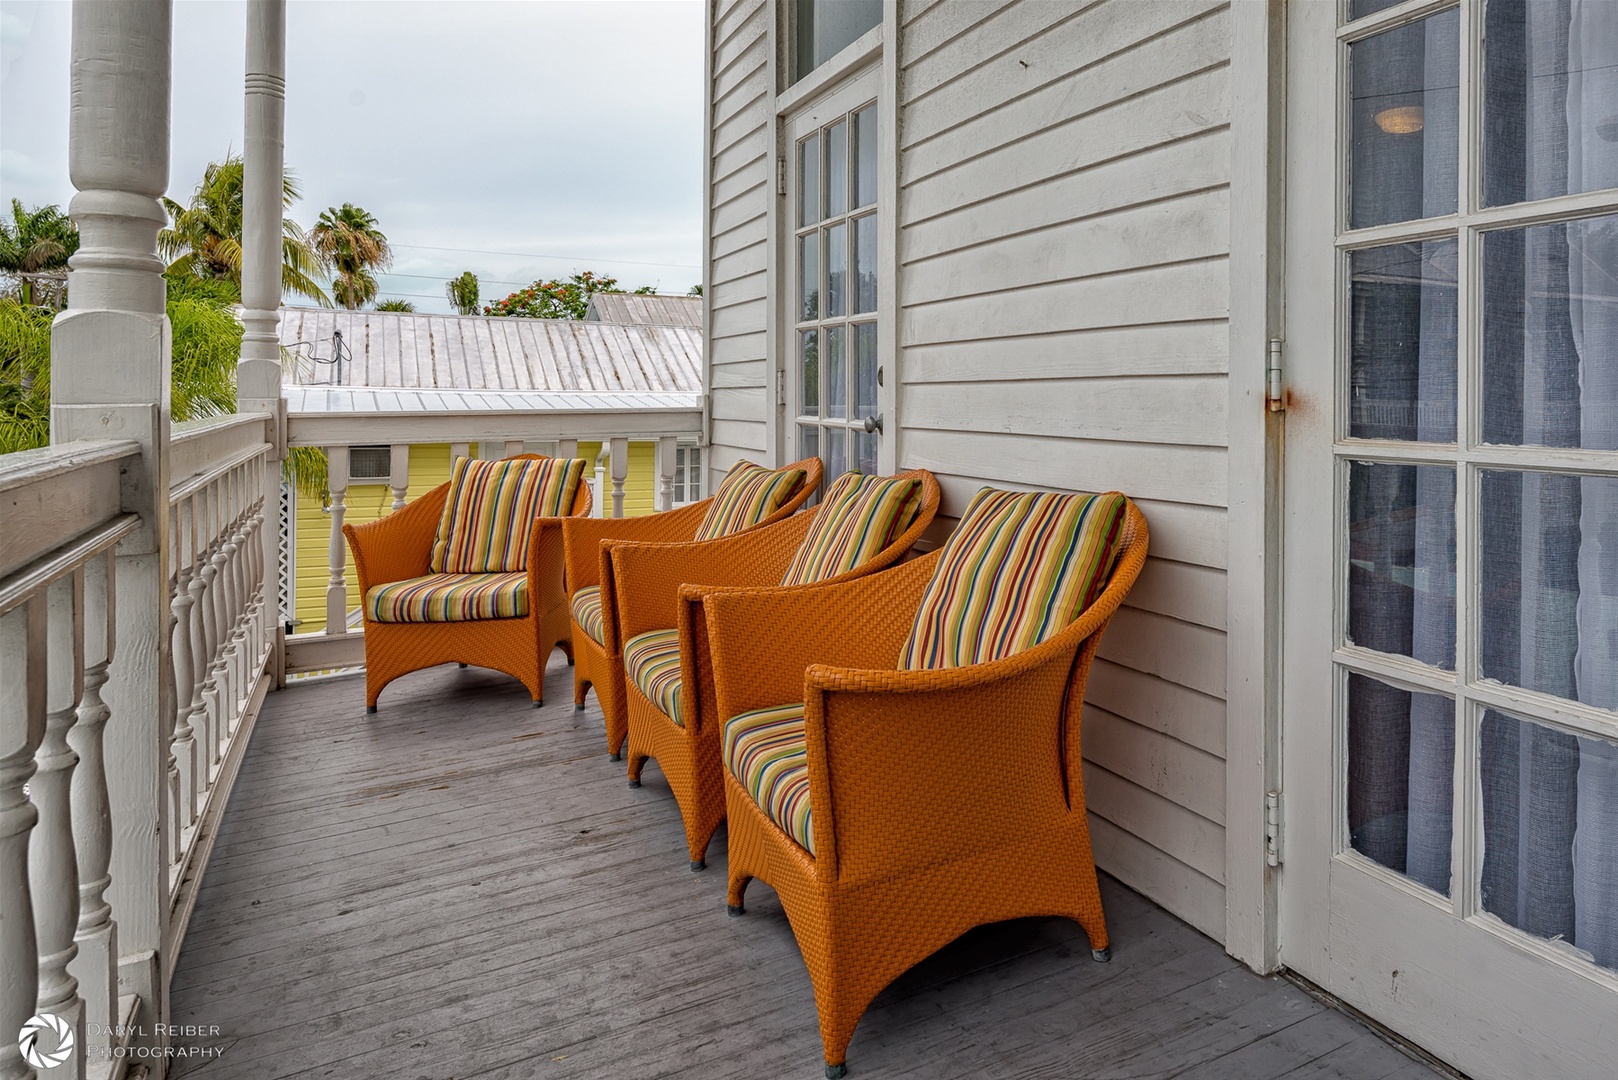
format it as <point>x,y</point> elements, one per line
<point>1273,390</point>
<point>1272,828</point>
<point>781,175</point>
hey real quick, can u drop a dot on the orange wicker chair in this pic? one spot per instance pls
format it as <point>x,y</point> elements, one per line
<point>399,547</point>
<point>941,799</point>
<point>599,663</point>
<point>662,585</point>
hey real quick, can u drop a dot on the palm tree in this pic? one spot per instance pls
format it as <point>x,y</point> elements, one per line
<point>396,305</point>
<point>463,293</point>
<point>35,241</point>
<point>349,241</point>
<point>205,237</point>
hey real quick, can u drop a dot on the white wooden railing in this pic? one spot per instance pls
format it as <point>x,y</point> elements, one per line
<point>222,630</point>
<point>61,670</point>
<point>487,433</point>
<point>59,950</point>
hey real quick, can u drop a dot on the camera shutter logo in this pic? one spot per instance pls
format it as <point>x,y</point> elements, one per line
<point>28,1041</point>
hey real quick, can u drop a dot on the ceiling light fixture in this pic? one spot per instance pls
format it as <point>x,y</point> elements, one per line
<point>1401,119</point>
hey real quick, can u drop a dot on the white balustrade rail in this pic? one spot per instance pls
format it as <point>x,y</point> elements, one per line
<point>222,626</point>
<point>491,432</point>
<point>58,930</point>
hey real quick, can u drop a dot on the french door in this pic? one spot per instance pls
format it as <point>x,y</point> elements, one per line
<point>1450,700</point>
<point>834,279</point>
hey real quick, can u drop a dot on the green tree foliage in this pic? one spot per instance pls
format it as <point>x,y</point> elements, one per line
<point>463,293</point>
<point>568,299</point>
<point>396,305</point>
<point>207,341</point>
<point>348,239</point>
<point>37,241</point>
<point>696,290</point>
<point>204,239</point>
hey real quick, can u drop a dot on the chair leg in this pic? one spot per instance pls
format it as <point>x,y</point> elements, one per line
<point>636,764</point>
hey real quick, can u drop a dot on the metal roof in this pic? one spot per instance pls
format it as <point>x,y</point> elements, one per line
<point>642,309</point>
<point>387,401</point>
<point>404,350</point>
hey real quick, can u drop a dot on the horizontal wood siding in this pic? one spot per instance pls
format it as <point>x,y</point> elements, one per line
<point>1063,295</point>
<point>738,202</point>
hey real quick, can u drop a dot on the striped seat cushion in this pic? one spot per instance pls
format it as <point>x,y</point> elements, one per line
<point>857,519</point>
<point>652,662</point>
<point>747,495</point>
<point>449,598</point>
<point>764,751</point>
<point>587,611</point>
<point>490,511</point>
<point>1018,568</point>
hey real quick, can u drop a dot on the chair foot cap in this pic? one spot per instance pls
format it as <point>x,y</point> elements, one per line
<point>539,703</point>
<point>634,783</point>
<point>1101,956</point>
<point>464,665</point>
<point>369,709</point>
<point>698,865</point>
<point>578,706</point>
<point>615,757</point>
<point>836,1072</point>
<point>735,911</point>
<point>570,661</point>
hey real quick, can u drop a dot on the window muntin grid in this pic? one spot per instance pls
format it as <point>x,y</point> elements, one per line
<point>834,362</point>
<point>1452,247</point>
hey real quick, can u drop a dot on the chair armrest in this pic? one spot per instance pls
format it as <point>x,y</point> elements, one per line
<point>399,546</point>
<point>647,577</point>
<point>909,769</point>
<point>763,640</point>
<point>582,537</point>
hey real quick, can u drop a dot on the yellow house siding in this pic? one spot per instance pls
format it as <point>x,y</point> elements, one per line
<point>429,467</point>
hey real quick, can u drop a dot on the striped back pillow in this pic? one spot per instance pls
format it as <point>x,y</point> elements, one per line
<point>857,518</point>
<point>491,508</point>
<point>1018,568</point>
<point>747,495</point>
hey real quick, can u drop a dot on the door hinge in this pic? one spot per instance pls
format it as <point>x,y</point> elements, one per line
<point>780,389</point>
<point>781,175</point>
<point>1272,828</point>
<point>1273,393</point>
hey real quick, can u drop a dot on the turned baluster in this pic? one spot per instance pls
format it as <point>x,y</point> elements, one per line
<point>210,637</point>
<point>238,599</point>
<point>197,708</point>
<point>337,552</point>
<point>217,670</point>
<point>667,451</point>
<point>171,773</point>
<point>399,473</point>
<point>96,966</point>
<point>53,866</point>
<point>183,746</point>
<point>22,726</point>
<point>619,459</point>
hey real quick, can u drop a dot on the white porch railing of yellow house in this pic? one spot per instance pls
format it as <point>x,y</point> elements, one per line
<point>139,569</point>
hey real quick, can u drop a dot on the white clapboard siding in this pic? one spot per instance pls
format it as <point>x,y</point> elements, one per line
<point>738,206</point>
<point>1063,295</point>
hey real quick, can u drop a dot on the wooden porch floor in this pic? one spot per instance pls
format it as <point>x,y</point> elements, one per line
<point>463,886</point>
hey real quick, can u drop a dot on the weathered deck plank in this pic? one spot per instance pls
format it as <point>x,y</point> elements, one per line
<point>462,886</point>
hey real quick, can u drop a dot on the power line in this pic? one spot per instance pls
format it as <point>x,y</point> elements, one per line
<point>532,255</point>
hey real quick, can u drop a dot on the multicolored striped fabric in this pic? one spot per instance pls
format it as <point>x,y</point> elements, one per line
<point>764,749</point>
<point>747,495</point>
<point>491,508</point>
<point>857,518</point>
<point>587,611</point>
<point>652,662</point>
<point>1018,568</point>
<point>449,598</point>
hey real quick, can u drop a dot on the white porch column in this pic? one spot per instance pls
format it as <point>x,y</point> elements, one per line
<point>667,450</point>
<point>619,463</point>
<point>110,379</point>
<point>258,375</point>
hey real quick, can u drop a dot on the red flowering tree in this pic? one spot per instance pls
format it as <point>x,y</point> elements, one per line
<point>554,299</point>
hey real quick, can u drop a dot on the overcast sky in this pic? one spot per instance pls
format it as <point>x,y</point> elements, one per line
<point>515,140</point>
